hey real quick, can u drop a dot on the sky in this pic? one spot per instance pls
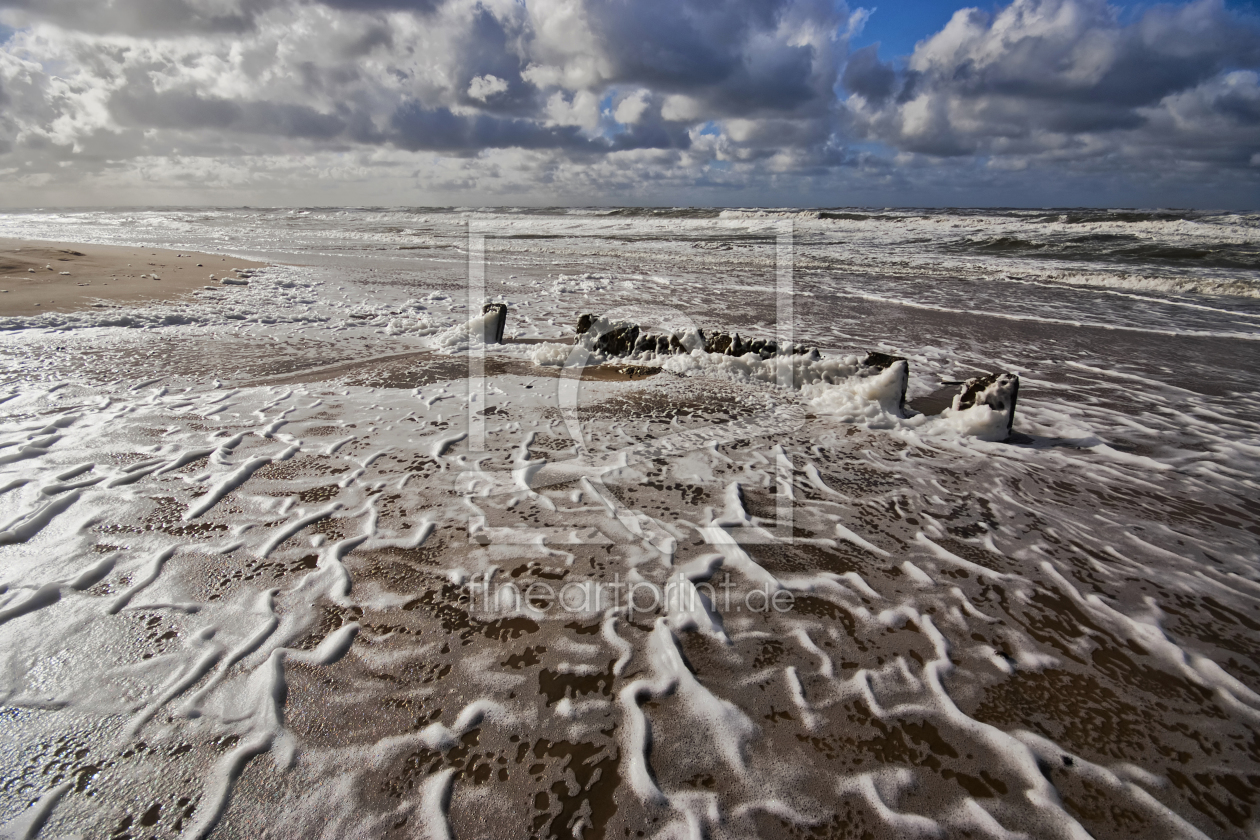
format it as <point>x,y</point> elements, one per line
<point>815,103</point>
<point>898,26</point>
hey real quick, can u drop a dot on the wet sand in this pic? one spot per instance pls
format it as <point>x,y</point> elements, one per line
<point>805,705</point>
<point>38,276</point>
<point>255,529</point>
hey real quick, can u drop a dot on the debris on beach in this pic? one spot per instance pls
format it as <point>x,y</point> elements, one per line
<point>998,391</point>
<point>494,328</point>
<point>876,361</point>
<point>621,338</point>
<point>486,328</point>
<point>871,388</point>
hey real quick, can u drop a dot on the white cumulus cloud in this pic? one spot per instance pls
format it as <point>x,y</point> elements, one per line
<point>483,87</point>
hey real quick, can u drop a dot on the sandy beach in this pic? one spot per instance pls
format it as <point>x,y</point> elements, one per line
<point>38,276</point>
<point>314,558</point>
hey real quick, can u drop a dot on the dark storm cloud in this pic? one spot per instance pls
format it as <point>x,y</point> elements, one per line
<point>867,76</point>
<point>652,135</point>
<point>416,128</point>
<point>1242,106</point>
<point>487,49</point>
<point>190,112</point>
<point>725,52</point>
<point>438,129</point>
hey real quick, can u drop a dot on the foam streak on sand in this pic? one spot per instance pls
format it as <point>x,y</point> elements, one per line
<point>258,573</point>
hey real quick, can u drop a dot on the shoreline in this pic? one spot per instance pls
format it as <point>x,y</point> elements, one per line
<point>38,276</point>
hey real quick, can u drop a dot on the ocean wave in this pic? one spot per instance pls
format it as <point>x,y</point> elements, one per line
<point>661,213</point>
<point>1115,248</point>
<point>1146,283</point>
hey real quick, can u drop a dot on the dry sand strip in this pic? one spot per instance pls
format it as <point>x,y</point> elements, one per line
<point>37,276</point>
